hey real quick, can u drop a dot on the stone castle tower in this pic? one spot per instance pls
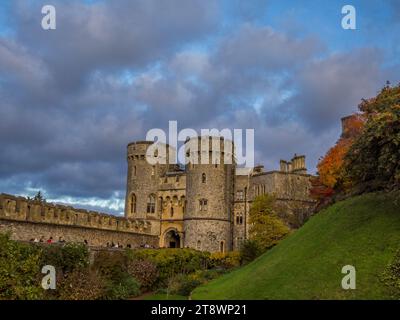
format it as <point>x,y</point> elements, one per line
<point>205,206</point>
<point>142,182</point>
<point>209,192</point>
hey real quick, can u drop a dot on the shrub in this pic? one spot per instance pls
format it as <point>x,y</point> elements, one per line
<point>65,258</point>
<point>225,260</point>
<point>19,270</point>
<point>170,262</point>
<point>249,251</point>
<point>110,264</point>
<point>144,271</point>
<point>266,228</point>
<point>123,288</point>
<point>81,285</point>
<point>183,284</point>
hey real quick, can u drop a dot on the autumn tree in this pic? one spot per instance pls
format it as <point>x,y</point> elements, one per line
<point>331,167</point>
<point>373,159</point>
<point>266,228</point>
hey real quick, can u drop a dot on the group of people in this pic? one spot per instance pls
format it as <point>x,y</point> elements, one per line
<point>50,240</point>
<point>116,245</point>
<point>61,240</point>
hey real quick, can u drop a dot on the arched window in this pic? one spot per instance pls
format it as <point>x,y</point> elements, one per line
<point>133,203</point>
<point>172,212</point>
<point>203,178</point>
<point>198,247</point>
<point>222,246</point>
<point>151,204</point>
<point>134,170</point>
<point>203,204</point>
<point>239,218</point>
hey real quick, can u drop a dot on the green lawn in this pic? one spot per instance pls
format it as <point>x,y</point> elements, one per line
<point>363,231</point>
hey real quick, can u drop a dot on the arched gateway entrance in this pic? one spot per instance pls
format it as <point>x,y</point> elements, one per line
<point>172,239</point>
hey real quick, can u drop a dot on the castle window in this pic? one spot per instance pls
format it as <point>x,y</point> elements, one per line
<point>203,178</point>
<point>203,204</point>
<point>133,203</point>
<point>198,247</point>
<point>239,195</point>
<point>239,218</point>
<point>222,246</point>
<point>134,170</point>
<point>151,204</point>
<point>172,212</point>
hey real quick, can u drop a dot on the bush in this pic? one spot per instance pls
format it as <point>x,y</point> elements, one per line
<point>249,251</point>
<point>110,264</point>
<point>19,270</point>
<point>121,289</point>
<point>225,260</point>
<point>65,258</point>
<point>266,228</point>
<point>81,285</point>
<point>144,271</point>
<point>170,262</point>
<point>183,284</point>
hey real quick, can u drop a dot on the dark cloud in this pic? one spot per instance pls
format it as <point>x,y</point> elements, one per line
<point>330,88</point>
<point>71,99</point>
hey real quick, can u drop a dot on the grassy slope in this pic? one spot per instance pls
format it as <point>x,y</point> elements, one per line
<point>363,231</point>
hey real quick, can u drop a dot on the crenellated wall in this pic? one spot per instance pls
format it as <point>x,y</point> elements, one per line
<point>34,219</point>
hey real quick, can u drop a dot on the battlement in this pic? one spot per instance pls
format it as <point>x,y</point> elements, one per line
<point>296,165</point>
<point>21,209</point>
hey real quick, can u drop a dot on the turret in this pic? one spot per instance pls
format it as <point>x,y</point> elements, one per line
<point>209,191</point>
<point>142,180</point>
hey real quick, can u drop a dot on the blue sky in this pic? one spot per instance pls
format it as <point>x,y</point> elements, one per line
<point>71,99</point>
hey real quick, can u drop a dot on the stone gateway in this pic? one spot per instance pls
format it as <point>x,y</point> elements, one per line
<point>205,205</point>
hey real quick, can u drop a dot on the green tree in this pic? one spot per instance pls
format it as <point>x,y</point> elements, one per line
<point>19,270</point>
<point>266,228</point>
<point>374,158</point>
<point>39,197</point>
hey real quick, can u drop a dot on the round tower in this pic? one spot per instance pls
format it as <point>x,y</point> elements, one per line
<point>143,180</point>
<point>208,222</point>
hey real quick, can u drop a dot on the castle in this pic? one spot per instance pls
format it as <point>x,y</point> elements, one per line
<point>205,205</point>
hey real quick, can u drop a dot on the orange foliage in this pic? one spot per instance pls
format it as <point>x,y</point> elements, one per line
<point>330,167</point>
<point>318,190</point>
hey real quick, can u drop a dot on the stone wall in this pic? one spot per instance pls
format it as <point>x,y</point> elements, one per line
<point>27,219</point>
